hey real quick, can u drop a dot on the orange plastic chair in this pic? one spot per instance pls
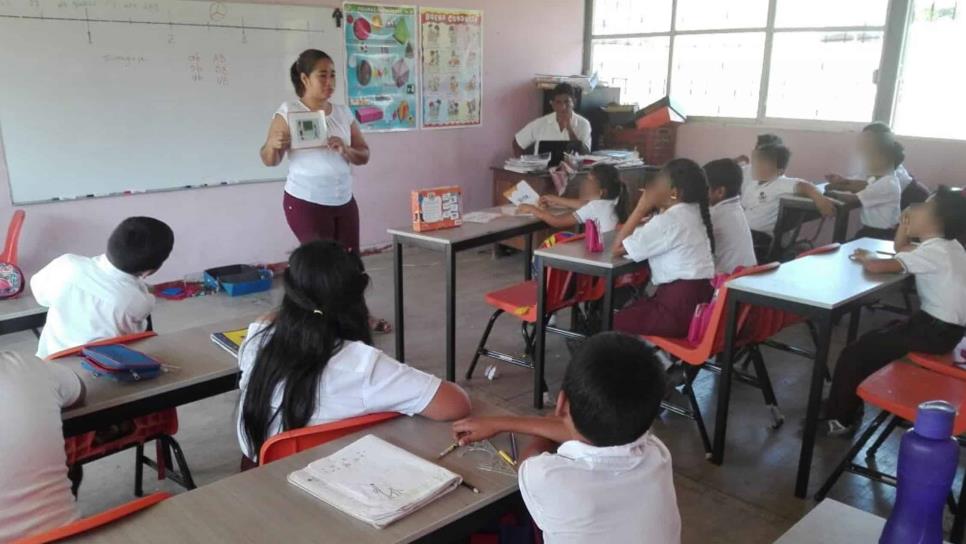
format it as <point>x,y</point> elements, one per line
<point>897,390</point>
<point>520,301</point>
<point>96,521</point>
<point>827,248</point>
<point>291,442</point>
<point>9,254</point>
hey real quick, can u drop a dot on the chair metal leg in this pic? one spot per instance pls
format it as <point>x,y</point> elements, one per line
<point>883,436</point>
<point>853,451</point>
<point>75,473</point>
<point>479,349</point>
<point>139,470</point>
<point>690,373</point>
<point>761,372</point>
<point>188,481</point>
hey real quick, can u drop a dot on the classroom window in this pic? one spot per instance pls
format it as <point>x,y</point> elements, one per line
<point>718,74</point>
<point>637,66</point>
<point>720,14</point>
<point>930,86</point>
<point>631,16</point>
<point>829,13</point>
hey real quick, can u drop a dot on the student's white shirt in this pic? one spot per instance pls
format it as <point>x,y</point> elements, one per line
<point>547,129</point>
<point>620,494</point>
<point>318,174</point>
<point>602,211</point>
<point>940,269</point>
<point>762,200</point>
<point>675,244</point>
<point>358,380</point>
<point>859,171</point>
<point>733,246</point>
<point>34,490</point>
<point>880,202</point>
<point>88,299</point>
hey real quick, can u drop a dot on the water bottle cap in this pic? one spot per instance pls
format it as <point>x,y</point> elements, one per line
<point>934,419</point>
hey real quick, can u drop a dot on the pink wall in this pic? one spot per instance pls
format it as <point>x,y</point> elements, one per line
<point>816,153</point>
<point>246,224</point>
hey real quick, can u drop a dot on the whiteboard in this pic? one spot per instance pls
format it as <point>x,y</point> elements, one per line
<point>107,97</point>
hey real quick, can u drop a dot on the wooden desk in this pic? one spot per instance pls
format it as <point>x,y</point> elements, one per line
<point>820,288</point>
<point>21,314</point>
<point>449,242</point>
<point>261,506</point>
<point>633,177</point>
<point>832,522</point>
<point>203,370</point>
<point>574,257</point>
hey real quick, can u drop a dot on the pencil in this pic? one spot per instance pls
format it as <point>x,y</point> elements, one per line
<point>889,253</point>
<point>513,446</point>
<point>448,450</point>
<point>507,458</point>
<point>470,486</point>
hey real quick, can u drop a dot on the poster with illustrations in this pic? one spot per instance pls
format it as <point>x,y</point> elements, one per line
<point>381,66</point>
<point>452,76</point>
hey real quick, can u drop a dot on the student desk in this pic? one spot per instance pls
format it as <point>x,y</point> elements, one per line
<point>832,522</point>
<point>821,288</point>
<point>203,370</point>
<point>574,257</point>
<point>809,212</point>
<point>449,242</point>
<point>261,506</point>
<point>21,314</point>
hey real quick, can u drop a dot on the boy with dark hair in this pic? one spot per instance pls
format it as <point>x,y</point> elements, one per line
<point>562,124</point>
<point>732,236</point>
<point>105,296</point>
<point>761,195</point>
<point>938,263</point>
<point>609,478</point>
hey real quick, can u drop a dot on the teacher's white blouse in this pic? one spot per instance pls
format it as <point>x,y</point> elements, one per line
<point>318,174</point>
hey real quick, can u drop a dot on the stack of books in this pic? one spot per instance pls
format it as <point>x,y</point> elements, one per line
<point>528,163</point>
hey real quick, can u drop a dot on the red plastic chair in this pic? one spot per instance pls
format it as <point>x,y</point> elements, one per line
<point>96,521</point>
<point>897,390</point>
<point>9,254</point>
<point>291,442</point>
<point>827,248</point>
<point>160,426</point>
<point>520,301</point>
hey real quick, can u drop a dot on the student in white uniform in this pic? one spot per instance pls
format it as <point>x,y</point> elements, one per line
<point>610,478</point>
<point>105,296</point>
<point>671,229</point>
<point>732,236</point>
<point>939,266</point>
<point>602,198</point>
<point>859,170</point>
<point>34,490</point>
<point>880,196</point>
<point>313,361</point>
<point>561,125</point>
<point>761,195</point>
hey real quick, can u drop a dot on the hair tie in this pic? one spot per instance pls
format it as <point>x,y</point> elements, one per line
<point>317,311</point>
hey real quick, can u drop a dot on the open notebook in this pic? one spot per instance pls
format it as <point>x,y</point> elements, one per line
<point>374,481</point>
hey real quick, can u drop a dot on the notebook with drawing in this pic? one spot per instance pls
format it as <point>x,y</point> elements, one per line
<point>230,341</point>
<point>375,481</point>
<point>522,193</point>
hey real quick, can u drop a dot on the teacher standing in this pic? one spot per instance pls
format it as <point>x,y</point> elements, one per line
<point>318,197</point>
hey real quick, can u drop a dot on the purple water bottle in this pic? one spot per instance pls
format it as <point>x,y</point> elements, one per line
<point>928,457</point>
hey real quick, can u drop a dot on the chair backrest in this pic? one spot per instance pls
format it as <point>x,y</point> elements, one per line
<point>827,248</point>
<point>713,340</point>
<point>9,254</point>
<point>291,442</point>
<point>914,193</point>
<point>943,364</point>
<point>93,522</point>
<point>125,339</point>
<point>560,293</point>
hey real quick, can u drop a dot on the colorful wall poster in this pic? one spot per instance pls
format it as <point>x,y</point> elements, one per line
<point>381,66</point>
<point>451,43</point>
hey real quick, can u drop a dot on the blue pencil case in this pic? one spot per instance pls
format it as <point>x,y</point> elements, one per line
<point>120,363</point>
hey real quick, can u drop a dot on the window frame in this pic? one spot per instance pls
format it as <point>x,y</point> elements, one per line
<point>886,76</point>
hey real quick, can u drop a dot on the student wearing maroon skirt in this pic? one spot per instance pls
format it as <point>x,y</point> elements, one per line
<point>671,229</point>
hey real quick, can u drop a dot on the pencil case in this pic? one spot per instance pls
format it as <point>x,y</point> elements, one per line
<point>238,279</point>
<point>368,114</point>
<point>120,363</point>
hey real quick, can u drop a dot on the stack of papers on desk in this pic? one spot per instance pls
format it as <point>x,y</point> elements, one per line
<point>621,158</point>
<point>374,481</point>
<point>527,163</point>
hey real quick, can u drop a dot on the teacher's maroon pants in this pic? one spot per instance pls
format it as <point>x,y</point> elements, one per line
<point>310,221</point>
<point>668,313</point>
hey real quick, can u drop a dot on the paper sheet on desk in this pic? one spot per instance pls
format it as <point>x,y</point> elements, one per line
<point>374,481</point>
<point>480,217</point>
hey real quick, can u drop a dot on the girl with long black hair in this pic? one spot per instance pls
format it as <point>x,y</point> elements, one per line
<point>313,361</point>
<point>671,229</point>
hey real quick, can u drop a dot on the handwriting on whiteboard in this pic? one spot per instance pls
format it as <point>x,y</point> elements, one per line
<point>127,61</point>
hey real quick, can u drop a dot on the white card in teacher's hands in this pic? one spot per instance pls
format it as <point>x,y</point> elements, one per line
<point>308,129</point>
<point>522,193</point>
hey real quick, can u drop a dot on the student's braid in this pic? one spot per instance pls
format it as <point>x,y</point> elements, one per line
<point>706,217</point>
<point>692,186</point>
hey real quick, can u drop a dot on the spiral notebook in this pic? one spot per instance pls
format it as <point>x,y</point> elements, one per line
<point>375,481</point>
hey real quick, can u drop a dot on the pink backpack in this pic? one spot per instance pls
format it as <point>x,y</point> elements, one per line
<point>702,313</point>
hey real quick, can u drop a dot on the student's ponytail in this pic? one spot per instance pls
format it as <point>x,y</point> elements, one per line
<point>612,188</point>
<point>692,185</point>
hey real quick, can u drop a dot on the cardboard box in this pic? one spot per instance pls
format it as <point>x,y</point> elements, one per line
<point>437,208</point>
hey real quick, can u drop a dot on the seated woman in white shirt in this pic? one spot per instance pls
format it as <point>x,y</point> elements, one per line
<point>732,236</point>
<point>561,125</point>
<point>881,195</point>
<point>313,361</point>
<point>602,198</point>
<point>859,174</point>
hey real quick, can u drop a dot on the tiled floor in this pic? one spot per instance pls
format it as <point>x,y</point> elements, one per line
<point>748,499</point>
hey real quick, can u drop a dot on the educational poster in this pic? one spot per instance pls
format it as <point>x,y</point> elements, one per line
<point>381,65</point>
<point>452,57</point>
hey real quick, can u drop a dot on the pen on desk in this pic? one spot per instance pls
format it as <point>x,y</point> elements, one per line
<point>505,457</point>
<point>470,486</point>
<point>513,446</point>
<point>448,450</point>
<point>889,253</point>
